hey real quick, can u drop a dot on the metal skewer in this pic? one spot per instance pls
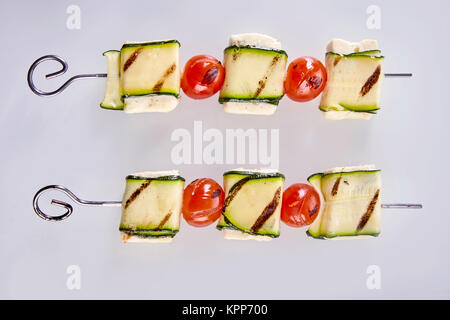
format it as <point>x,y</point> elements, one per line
<point>390,75</point>
<point>70,194</point>
<point>68,207</point>
<point>56,74</point>
<point>64,68</point>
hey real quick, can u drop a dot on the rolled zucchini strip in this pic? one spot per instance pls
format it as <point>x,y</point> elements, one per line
<point>143,77</point>
<point>252,204</point>
<point>113,93</point>
<point>151,206</point>
<point>255,69</point>
<point>354,78</point>
<point>350,202</point>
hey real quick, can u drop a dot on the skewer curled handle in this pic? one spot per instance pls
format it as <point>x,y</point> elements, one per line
<point>68,207</point>
<point>64,68</point>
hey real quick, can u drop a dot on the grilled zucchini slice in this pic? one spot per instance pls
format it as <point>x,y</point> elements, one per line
<point>350,202</point>
<point>255,70</point>
<point>151,206</point>
<point>354,82</point>
<point>252,204</point>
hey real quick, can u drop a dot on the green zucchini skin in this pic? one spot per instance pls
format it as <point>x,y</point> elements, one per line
<point>320,174</point>
<point>112,50</point>
<point>368,109</point>
<point>163,178</point>
<point>124,228</point>
<point>325,237</point>
<point>273,101</point>
<point>149,234</point>
<point>253,48</point>
<point>355,56</point>
<point>348,173</point>
<point>151,43</point>
<point>255,175</point>
<point>365,53</point>
<point>176,95</point>
<point>110,108</point>
<point>230,225</point>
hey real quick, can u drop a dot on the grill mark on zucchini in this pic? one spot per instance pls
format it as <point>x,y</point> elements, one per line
<point>136,193</point>
<point>371,81</point>
<point>263,81</point>
<point>233,191</point>
<point>267,212</point>
<point>131,59</point>
<point>336,61</point>
<point>366,216</point>
<point>166,74</point>
<point>335,188</point>
<point>235,55</point>
<point>164,220</point>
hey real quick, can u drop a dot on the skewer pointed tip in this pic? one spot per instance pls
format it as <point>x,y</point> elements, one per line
<point>392,75</point>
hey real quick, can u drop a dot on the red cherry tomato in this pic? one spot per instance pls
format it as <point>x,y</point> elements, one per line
<point>305,79</point>
<point>300,206</point>
<point>202,77</point>
<point>202,202</point>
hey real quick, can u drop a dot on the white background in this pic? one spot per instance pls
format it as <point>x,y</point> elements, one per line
<point>70,140</point>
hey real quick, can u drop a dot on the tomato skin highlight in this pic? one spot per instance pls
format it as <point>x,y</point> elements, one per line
<point>202,202</point>
<point>305,79</point>
<point>300,206</point>
<point>203,76</point>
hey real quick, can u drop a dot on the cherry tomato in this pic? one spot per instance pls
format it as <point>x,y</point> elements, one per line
<point>300,206</point>
<point>202,77</point>
<point>305,79</point>
<point>202,202</point>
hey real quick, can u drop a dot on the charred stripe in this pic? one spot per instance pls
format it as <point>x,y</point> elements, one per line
<point>233,191</point>
<point>164,220</point>
<point>262,82</point>
<point>136,193</point>
<point>132,58</point>
<point>366,216</point>
<point>335,188</point>
<point>166,74</point>
<point>371,81</point>
<point>267,212</point>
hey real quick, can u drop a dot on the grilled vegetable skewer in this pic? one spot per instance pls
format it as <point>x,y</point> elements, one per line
<point>152,204</point>
<point>145,77</point>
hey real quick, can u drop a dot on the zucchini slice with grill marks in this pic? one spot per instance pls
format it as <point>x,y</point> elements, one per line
<point>252,204</point>
<point>113,92</point>
<point>255,69</point>
<point>351,202</point>
<point>151,206</point>
<point>150,76</point>
<point>354,79</point>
